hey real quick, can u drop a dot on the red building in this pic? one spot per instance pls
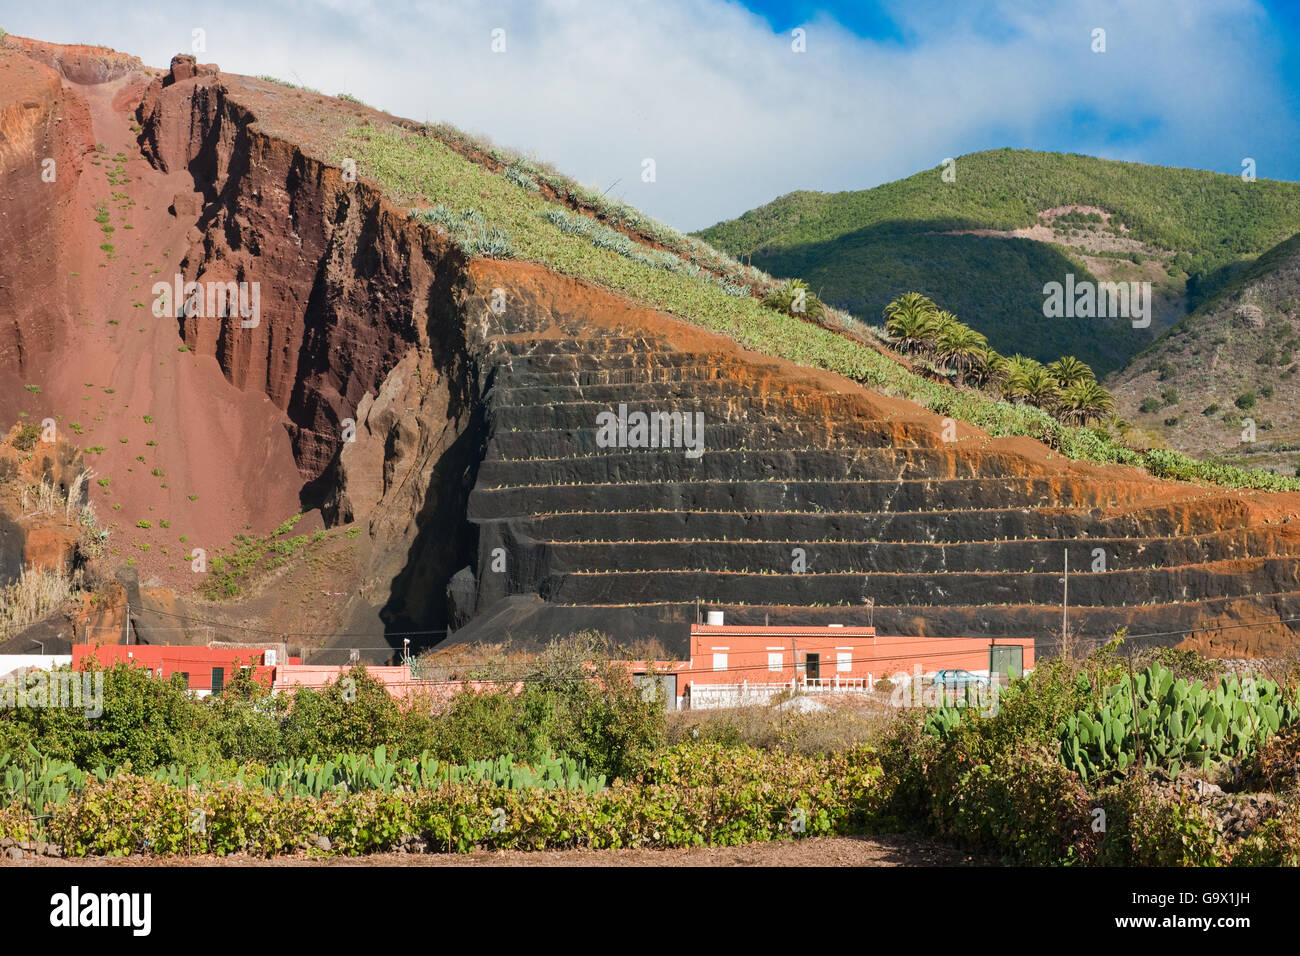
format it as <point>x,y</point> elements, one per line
<point>743,662</point>
<point>206,669</point>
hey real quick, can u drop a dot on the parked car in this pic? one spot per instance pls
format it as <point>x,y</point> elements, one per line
<point>959,679</point>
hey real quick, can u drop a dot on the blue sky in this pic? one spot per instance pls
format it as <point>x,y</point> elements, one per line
<point>732,116</point>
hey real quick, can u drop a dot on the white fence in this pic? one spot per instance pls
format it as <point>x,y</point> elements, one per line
<point>746,693</point>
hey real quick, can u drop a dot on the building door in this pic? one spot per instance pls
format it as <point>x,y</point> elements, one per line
<point>218,679</point>
<point>814,668</point>
<point>670,690</point>
<point>654,686</point>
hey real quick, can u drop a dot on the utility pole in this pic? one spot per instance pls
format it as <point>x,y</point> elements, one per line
<point>128,622</point>
<point>794,661</point>
<point>1065,603</point>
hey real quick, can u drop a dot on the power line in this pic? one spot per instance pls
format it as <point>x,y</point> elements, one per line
<point>197,622</point>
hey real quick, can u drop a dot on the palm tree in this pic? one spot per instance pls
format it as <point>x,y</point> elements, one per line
<point>910,320</point>
<point>943,321</point>
<point>1027,380</point>
<point>1039,388</point>
<point>961,347</point>
<point>1013,378</point>
<point>991,368</point>
<point>1067,370</point>
<point>1083,401</point>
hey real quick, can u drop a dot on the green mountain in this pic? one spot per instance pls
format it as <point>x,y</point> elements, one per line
<point>984,244</point>
<point>1230,364</point>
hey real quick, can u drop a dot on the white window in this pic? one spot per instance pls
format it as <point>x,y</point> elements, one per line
<point>844,660</point>
<point>775,662</point>
<point>719,661</point>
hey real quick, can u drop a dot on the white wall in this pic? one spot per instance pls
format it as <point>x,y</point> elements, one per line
<point>12,662</point>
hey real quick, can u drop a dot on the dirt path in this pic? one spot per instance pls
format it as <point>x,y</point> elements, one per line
<point>894,850</point>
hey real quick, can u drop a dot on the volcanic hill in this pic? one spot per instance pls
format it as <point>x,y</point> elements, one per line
<point>404,440</point>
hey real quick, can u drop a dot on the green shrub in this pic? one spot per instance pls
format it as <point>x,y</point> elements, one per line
<point>354,713</point>
<point>1146,826</point>
<point>691,796</point>
<point>480,725</point>
<point>29,433</point>
<point>146,722</point>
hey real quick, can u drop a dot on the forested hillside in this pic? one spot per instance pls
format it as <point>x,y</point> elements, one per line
<point>984,244</point>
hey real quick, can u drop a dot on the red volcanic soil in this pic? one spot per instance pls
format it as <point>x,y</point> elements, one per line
<point>183,446</point>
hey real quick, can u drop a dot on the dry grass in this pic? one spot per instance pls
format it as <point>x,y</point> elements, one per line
<point>36,594</point>
<point>48,498</point>
<point>845,723</point>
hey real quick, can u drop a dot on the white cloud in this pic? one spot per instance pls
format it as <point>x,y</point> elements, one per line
<point>730,114</point>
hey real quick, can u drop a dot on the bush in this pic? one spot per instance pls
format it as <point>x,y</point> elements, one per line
<point>1148,826</point>
<point>146,722</point>
<point>481,725</point>
<point>29,433</point>
<point>1024,805</point>
<point>691,796</point>
<point>1275,843</point>
<point>1000,785</point>
<point>352,714</point>
<point>1276,764</point>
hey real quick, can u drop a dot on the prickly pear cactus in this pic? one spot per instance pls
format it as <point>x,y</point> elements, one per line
<point>1169,724</point>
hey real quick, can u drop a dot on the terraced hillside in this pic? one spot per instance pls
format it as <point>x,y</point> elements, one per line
<point>963,537</point>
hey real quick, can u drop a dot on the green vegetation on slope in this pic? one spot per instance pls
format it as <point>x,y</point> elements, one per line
<point>420,171</point>
<point>1228,366</point>
<point>862,249</point>
<point>1211,217</point>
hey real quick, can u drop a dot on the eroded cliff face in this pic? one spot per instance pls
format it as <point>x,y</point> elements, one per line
<point>360,338</point>
<point>44,139</point>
